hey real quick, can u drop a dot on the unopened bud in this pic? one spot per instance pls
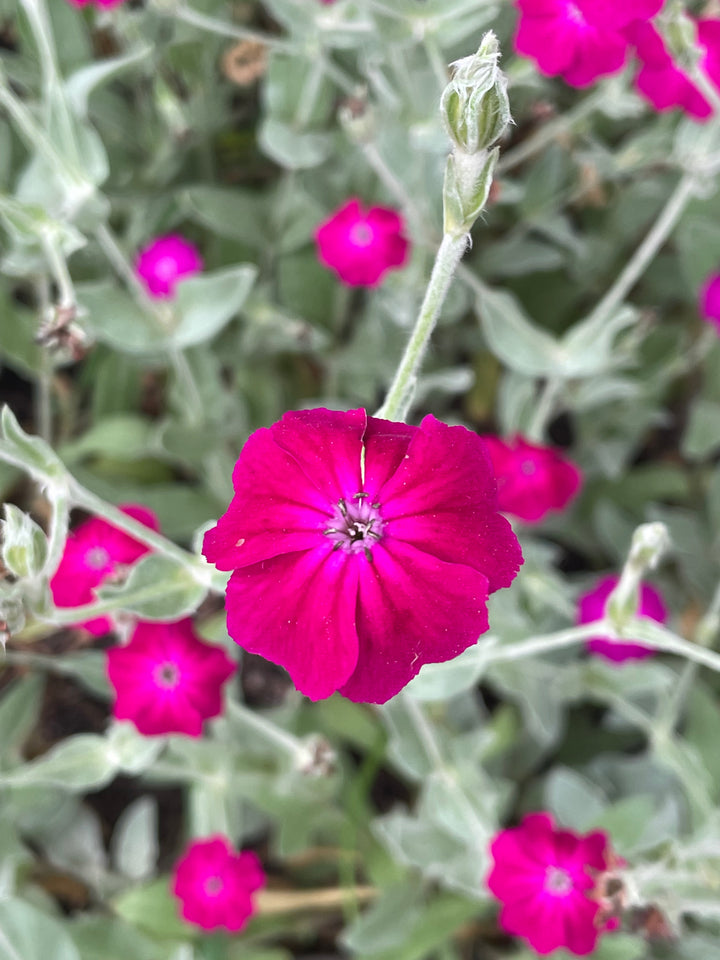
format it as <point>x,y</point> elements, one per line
<point>24,548</point>
<point>650,541</point>
<point>475,106</point>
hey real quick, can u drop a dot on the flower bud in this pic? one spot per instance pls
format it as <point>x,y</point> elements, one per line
<point>468,178</point>
<point>650,541</point>
<point>24,547</point>
<point>474,106</point>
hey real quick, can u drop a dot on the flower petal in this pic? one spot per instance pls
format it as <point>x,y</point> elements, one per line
<point>413,609</point>
<point>298,610</point>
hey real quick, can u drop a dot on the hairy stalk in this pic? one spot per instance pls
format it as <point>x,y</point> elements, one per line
<point>399,397</point>
<point>657,235</point>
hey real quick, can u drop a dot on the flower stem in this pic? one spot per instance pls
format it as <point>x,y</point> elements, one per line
<point>400,395</point>
<point>223,29</point>
<point>655,238</point>
<point>543,410</point>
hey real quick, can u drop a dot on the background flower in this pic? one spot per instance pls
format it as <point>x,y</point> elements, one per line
<point>352,572</point>
<point>543,875</point>
<point>710,300</point>
<point>579,40</point>
<point>94,552</point>
<point>591,606</point>
<point>361,246</point>
<point>532,480</point>
<point>164,262</point>
<point>167,680</point>
<point>215,884</point>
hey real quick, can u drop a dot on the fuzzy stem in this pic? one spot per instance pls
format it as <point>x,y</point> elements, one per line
<point>657,235</point>
<point>400,395</point>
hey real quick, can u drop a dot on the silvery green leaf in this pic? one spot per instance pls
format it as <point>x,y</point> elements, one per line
<point>516,341</point>
<point>82,82</point>
<point>158,588</point>
<point>76,764</point>
<point>27,933</point>
<point>576,801</point>
<point>134,844</point>
<point>28,452</point>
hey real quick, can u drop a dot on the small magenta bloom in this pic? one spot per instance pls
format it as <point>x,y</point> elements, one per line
<point>215,884</point>
<point>710,300</point>
<point>591,606</point>
<point>361,549</point>
<point>95,552</point>
<point>544,877</point>
<point>167,680</point>
<point>362,246</point>
<point>105,4</point>
<point>663,83</point>
<point>532,480</point>
<point>578,40</point>
<point>164,262</point>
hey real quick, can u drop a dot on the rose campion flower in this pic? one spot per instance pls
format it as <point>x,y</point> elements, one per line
<point>95,552</point>
<point>591,606</point>
<point>543,876</point>
<point>164,262</point>
<point>361,549</point>
<point>532,480</point>
<point>578,40</point>
<point>710,300</point>
<point>215,884</point>
<point>362,246</point>
<point>167,680</point>
<point>662,82</point>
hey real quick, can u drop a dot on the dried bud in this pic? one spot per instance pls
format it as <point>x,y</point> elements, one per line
<point>317,758</point>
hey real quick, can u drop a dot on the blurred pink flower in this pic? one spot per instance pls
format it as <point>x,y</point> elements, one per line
<point>167,680</point>
<point>361,549</point>
<point>164,262</point>
<point>544,877</point>
<point>710,300</point>
<point>578,40</point>
<point>591,606</point>
<point>215,884</point>
<point>661,82</point>
<point>94,552</point>
<point>362,246</point>
<point>532,480</point>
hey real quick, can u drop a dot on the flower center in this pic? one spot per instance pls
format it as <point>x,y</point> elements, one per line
<point>166,675</point>
<point>574,13</point>
<point>356,525</point>
<point>557,881</point>
<point>165,267</point>
<point>361,235</point>
<point>97,558</point>
<point>528,467</point>
<point>213,886</point>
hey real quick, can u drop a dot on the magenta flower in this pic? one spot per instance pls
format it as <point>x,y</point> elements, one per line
<point>215,884</point>
<point>361,549</point>
<point>95,552</point>
<point>167,680</point>
<point>532,480</point>
<point>164,262</point>
<point>105,4</point>
<point>578,40</point>
<point>362,246</point>
<point>543,876</point>
<point>663,83</point>
<point>591,606</point>
<point>710,300</point>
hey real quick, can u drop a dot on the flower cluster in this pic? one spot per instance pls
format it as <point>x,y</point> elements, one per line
<point>532,480</point>
<point>162,264</point>
<point>361,549</point>
<point>545,878</point>
<point>166,679</point>
<point>94,553</point>
<point>579,40</point>
<point>591,606</point>
<point>362,245</point>
<point>214,884</point>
